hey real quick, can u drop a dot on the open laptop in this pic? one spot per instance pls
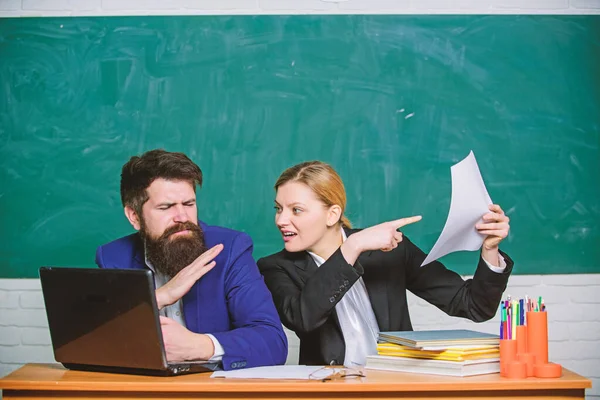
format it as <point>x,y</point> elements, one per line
<point>107,320</point>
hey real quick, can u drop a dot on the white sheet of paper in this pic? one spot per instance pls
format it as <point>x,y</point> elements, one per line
<point>469,203</point>
<point>275,372</point>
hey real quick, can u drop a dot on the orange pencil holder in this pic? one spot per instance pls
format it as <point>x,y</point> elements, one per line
<point>529,360</point>
<point>521,339</point>
<point>537,335</point>
<point>523,354</point>
<point>510,365</point>
<point>537,344</point>
<point>516,370</point>
<point>508,354</point>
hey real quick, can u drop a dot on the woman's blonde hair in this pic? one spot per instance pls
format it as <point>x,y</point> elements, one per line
<point>322,179</point>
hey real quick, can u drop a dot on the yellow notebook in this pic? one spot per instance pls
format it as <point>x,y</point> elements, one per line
<point>451,354</point>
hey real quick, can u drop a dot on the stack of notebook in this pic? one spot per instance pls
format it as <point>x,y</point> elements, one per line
<point>444,352</point>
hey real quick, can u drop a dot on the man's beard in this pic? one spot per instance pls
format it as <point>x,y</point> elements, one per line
<point>169,255</point>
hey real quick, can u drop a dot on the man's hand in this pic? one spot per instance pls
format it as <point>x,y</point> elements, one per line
<point>181,283</point>
<point>182,344</point>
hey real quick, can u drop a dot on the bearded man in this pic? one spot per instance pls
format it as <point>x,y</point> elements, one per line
<point>213,302</point>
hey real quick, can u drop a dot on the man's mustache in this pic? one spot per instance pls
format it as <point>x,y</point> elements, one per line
<point>180,227</point>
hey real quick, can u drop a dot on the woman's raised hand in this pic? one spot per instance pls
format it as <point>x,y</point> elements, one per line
<point>384,236</point>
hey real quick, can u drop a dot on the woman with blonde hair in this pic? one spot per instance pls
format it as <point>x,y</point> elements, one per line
<point>338,287</point>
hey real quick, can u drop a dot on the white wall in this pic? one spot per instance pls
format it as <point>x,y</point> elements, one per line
<point>574,326</point>
<point>166,7</point>
<point>572,301</point>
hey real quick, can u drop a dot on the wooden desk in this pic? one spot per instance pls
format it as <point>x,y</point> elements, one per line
<point>42,381</point>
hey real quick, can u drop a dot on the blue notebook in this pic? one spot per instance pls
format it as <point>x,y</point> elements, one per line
<point>440,338</point>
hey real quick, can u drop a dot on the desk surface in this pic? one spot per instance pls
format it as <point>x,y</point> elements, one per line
<point>54,378</point>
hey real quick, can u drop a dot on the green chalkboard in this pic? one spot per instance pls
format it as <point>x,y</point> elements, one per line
<point>391,101</point>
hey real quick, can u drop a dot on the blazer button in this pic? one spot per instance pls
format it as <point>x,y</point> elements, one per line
<point>346,282</point>
<point>332,299</point>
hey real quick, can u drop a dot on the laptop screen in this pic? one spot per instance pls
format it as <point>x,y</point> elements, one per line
<point>103,317</point>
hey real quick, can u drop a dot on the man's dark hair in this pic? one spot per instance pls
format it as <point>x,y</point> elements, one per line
<point>140,171</point>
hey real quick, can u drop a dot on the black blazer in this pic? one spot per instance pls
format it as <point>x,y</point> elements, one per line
<point>305,296</point>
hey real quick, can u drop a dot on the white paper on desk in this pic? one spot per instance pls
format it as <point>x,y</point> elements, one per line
<point>470,201</point>
<point>275,372</point>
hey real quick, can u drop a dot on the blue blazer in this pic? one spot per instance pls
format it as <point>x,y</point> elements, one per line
<point>231,301</point>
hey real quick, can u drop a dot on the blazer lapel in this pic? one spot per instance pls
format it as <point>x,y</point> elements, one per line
<point>190,309</point>
<point>305,265</point>
<point>376,280</point>
<point>139,258</point>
